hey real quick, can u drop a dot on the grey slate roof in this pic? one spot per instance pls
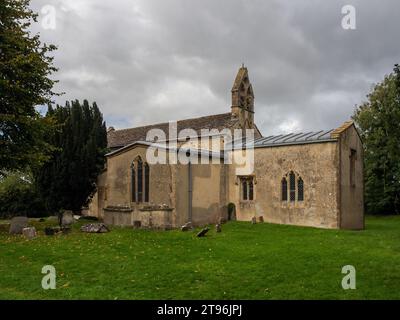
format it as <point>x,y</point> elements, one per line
<point>294,138</point>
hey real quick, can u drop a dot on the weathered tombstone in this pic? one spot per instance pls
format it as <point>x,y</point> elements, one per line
<point>68,218</point>
<point>18,224</point>
<point>203,232</point>
<point>221,220</point>
<point>95,228</point>
<point>218,227</point>
<point>29,232</point>
<point>253,220</point>
<point>261,219</point>
<point>187,226</point>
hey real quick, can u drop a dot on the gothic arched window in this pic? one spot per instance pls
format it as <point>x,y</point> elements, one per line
<point>133,183</point>
<point>292,186</point>
<point>284,189</point>
<point>300,189</point>
<point>251,190</point>
<point>247,188</point>
<point>146,182</point>
<point>244,190</point>
<point>140,181</point>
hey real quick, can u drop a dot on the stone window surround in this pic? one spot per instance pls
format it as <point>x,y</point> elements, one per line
<point>145,199</point>
<point>238,182</point>
<point>288,203</point>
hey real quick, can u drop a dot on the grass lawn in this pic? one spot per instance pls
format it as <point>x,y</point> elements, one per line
<point>245,261</point>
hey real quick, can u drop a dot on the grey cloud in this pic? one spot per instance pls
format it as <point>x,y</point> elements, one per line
<point>149,61</point>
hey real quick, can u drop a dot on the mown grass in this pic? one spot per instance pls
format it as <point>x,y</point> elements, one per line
<point>245,261</point>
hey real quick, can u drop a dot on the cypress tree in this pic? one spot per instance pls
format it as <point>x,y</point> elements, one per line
<point>69,179</point>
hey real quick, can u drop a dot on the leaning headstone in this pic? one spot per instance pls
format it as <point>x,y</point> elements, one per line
<point>261,219</point>
<point>203,232</point>
<point>68,218</point>
<point>18,224</point>
<point>29,232</point>
<point>95,228</point>
<point>253,220</point>
<point>218,227</point>
<point>187,226</point>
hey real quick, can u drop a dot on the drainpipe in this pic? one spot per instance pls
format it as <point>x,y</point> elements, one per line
<point>190,189</point>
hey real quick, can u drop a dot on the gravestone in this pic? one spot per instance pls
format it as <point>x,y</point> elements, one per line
<point>18,224</point>
<point>221,220</point>
<point>253,220</point>
<point>187,226</point>
<point>261,219</point>
<point>29,232</point>
<point>218,227</point>
<point>203,232</point>
<point>68,218</point>
<point>95,228</point>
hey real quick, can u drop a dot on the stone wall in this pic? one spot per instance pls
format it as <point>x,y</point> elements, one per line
<point>352,195</point>
<point>315,163</point>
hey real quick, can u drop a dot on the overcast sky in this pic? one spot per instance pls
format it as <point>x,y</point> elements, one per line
<point>153,61</point>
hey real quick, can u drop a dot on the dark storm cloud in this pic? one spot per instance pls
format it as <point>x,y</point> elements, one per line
<point>149,61</point>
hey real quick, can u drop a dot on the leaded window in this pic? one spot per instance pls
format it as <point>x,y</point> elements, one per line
<point>140,181</point>
<point>292,186</point>
<point>146,182</point>
<point>133,183</point>
<point>300,189</point>
<point>284,189</point>
<point>247,185</point>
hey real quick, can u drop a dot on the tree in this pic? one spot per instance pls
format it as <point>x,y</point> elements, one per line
<point>25,70</point>
<point>378,120</point>
<point>18,196</point>
<point>68,180</point>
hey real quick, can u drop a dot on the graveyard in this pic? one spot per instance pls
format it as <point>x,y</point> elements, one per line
<point>242,261</point>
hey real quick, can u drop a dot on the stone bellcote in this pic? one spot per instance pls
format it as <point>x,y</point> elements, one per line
<point>243,99</point>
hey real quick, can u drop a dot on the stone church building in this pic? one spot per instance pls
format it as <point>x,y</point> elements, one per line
<point>308,178</point>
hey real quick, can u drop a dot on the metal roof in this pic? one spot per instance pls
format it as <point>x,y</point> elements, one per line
<point>293,138</point>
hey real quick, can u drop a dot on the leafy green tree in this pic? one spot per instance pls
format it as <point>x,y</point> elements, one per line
<point>18,196</point>
<point>25,82</point>
<point>379,122</point>
<point>68,180</point>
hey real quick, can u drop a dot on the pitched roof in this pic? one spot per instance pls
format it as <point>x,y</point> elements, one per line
<point>121,138</point>
<point>294,138</point>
